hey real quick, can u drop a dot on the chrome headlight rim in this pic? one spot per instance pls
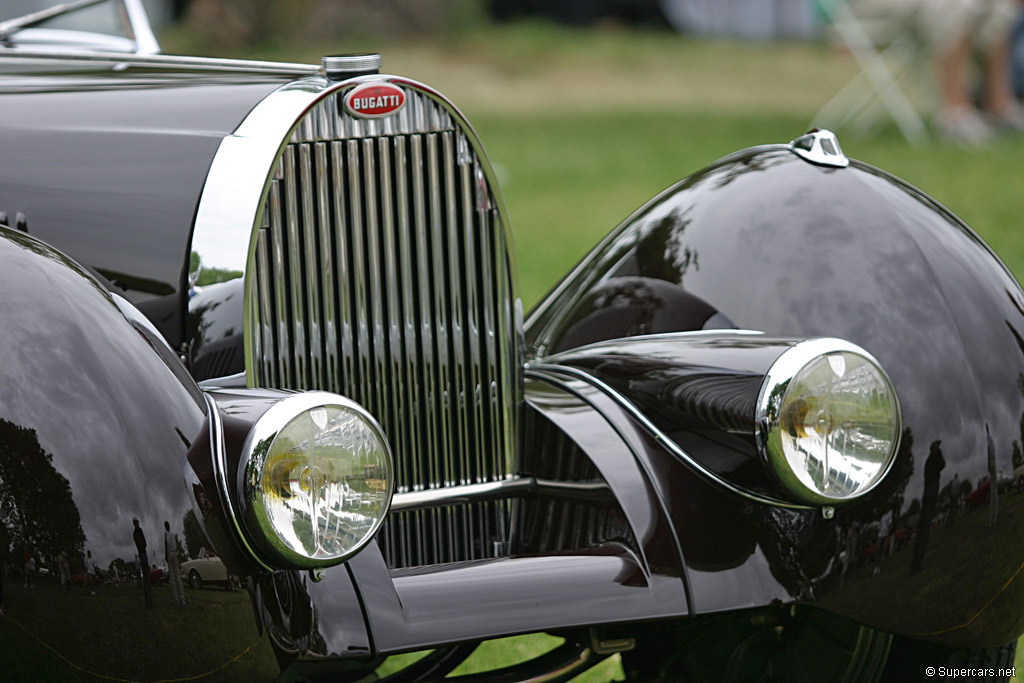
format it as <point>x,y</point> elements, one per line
<point>257,524</point>
<point>784,370</point>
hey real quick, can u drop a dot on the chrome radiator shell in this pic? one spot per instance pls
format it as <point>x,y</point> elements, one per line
<point>380,266</point>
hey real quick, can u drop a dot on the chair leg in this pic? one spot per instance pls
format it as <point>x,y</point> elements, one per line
<point>883,84</point>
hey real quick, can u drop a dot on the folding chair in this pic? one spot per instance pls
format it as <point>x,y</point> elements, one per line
<point>894,78</point>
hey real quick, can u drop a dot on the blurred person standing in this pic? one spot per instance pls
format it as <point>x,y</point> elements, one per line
<point>140,544</point>
<point>30,569</point>
<point>173,569</point>
<point>64,569</point>
<point>954,32</point>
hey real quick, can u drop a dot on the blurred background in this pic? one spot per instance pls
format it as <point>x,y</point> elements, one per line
<point>590,107</point>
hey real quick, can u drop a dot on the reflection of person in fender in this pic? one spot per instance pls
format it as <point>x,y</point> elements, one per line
<point>64,569</point>
<point>173,570</point>
<point>140,544</point>
<point>933,467</point>
<point>30,569</point>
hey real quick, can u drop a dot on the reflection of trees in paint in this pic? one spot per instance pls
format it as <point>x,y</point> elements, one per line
<point>36,507</point>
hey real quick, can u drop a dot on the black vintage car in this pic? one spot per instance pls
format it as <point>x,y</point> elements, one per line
<point>275,305</point>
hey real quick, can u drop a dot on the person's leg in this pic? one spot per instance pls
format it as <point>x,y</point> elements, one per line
<point>994,42</point>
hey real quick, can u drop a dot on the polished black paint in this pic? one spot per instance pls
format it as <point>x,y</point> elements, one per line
<point>700,390</point>
<point>787,247</point>
<point>96,419</point>
<point>125,152</point>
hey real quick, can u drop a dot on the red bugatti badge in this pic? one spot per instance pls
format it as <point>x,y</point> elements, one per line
<point>374,100</point>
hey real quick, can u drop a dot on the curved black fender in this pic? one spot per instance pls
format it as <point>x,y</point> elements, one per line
<point>97,416</point>
<point>769,241</point>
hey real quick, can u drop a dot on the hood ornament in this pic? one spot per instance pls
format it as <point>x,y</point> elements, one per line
<point>820,147</point>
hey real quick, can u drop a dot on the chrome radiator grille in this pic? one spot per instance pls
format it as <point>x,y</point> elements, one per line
<point>383,273</point>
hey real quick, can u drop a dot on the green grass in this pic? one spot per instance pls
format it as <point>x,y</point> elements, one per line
<point>502,652</point>
<point>585,126</point>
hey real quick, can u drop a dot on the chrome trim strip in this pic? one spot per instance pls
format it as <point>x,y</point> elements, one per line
<point>522,486</point>
<point>542,371</point>
<point>161,61</point>
<point>220,469</point>
<point>464,493</point>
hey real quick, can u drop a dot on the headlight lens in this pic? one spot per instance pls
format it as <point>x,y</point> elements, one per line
<point>828,421</point>
<point>318,481</point>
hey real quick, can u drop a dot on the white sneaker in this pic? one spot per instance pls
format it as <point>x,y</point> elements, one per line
<point>1010,120</point>
<point>963,126</point>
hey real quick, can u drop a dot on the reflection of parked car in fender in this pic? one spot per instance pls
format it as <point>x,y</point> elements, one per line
<point>207,568</point>
<point>979,496</point>
<point>157,575</point>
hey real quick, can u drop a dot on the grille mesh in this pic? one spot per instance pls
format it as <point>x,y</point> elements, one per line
<point>383,273</point>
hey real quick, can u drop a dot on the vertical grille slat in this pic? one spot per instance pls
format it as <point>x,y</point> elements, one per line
<point>294,276</point>
<point>414,472</point>
<point>441,321</point>
<point>283,320</point>
<point>361,324</point>
<point>332,366</point>
<point>349,368</point>
<point>460,439</point>
<point>311,272</point>
<point>266,350</point>
<point>426,315</point>
<point>382,273</point>
<point>378,351</point>
<point>491,409</point>
<point>474,376</point>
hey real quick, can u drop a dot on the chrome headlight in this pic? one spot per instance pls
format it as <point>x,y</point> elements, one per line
<point>317,480</point>
<point>828,421</point>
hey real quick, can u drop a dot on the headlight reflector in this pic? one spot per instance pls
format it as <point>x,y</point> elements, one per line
<point>828,421</point>
<point>318,481</point>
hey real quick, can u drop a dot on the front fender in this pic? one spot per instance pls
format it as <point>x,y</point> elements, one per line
<point>96,419</point>
<point>771,242</point>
